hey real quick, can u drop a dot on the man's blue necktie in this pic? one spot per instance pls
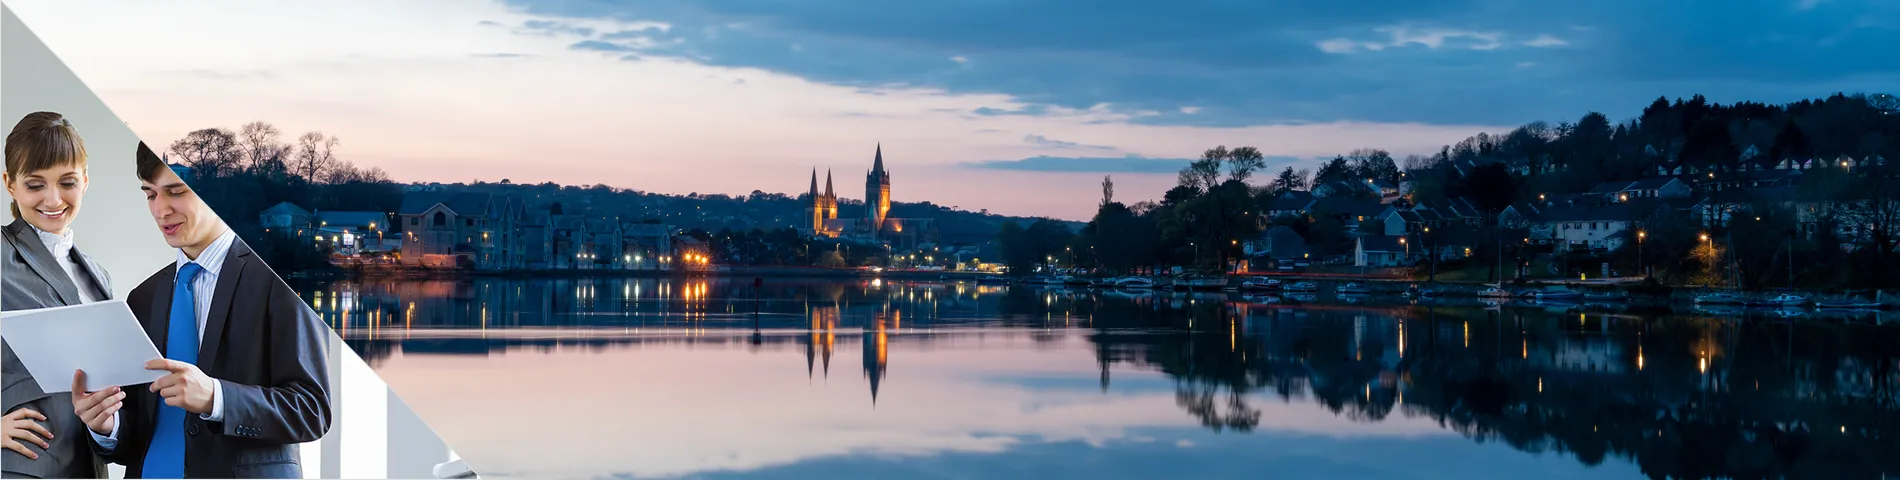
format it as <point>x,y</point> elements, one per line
<point>166,457</point>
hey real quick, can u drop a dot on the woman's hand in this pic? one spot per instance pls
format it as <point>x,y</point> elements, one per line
<point>20,426</point>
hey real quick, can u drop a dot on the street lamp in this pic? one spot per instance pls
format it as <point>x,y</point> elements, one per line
<point>1640,265</point>
<point>1408,248</point>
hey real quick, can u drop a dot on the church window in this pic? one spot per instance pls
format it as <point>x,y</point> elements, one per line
<point>440,219</point>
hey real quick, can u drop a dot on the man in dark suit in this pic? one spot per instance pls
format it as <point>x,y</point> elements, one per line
<point>247,360</point>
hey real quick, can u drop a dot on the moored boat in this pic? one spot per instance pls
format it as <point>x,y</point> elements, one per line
<point>1782,300</point>
<point>1720,299</point>
<point>1494,292</point>
<point>1353,289</point>
<point>1260,284</point>
<point>1302,287</point>
<point>1135,283</point>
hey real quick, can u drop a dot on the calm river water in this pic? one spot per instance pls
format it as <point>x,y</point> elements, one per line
<point>717,378</point>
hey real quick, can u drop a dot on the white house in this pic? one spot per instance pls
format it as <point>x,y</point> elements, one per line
<point>1379,251</point>
<point>1604,227</point>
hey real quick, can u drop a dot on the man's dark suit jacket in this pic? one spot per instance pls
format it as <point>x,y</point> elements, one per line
<point>270,352</point>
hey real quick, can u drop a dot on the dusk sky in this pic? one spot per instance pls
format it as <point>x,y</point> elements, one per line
<point>1016,107</point>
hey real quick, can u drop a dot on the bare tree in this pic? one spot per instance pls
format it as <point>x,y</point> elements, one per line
<point>261,150</point>
<point>314,157</point>
<point>1108,190</point>
<point>213,152</point>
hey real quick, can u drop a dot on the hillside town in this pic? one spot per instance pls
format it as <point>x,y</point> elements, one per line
<point>1747,196</point>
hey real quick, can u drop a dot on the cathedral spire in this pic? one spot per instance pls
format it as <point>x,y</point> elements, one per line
<point>827,182</point>
<point>814,183</point>
<point>877,165</point>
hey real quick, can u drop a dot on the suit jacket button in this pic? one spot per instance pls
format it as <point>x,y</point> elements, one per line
<point>191,429</point>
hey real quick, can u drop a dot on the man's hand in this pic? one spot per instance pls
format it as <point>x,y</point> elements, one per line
<point>97,409</point>
<point>187,387</point>
<point>20,426</point>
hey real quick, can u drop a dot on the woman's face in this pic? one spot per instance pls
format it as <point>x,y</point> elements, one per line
<point>49,198</point>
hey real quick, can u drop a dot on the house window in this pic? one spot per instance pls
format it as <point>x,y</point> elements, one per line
<point>1593,226</point>
<point>468,222</point>
<point>441,219</point>
<point>415,221</point>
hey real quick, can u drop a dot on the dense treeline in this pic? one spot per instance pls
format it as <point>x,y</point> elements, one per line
<point>1694,134</point>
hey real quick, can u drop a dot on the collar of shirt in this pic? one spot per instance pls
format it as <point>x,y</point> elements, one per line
<point>61,246</point>
<point>213,257</point>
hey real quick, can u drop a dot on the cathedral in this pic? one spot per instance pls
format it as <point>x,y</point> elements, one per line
<point>874,223</point>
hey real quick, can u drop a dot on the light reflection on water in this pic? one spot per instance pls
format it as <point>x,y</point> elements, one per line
<point>588,378</point>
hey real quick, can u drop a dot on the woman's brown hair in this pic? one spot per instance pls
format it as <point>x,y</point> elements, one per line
<point>40,141</point>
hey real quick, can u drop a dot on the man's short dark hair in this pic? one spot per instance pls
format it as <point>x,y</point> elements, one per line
<point>149,163</point>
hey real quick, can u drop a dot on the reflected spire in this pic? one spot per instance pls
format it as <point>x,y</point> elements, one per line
<point>876,351</point>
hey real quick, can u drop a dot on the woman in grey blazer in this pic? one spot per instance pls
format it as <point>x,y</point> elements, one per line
<point>46,176</point>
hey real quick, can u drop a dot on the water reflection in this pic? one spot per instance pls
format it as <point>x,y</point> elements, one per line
<point>987,377</point>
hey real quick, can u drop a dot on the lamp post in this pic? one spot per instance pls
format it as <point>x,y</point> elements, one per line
<point>1641,266</point>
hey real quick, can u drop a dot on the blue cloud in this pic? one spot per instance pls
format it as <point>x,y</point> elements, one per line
<point>1234,63</point>
<point>1128,164</point>
<point>1042,141</point>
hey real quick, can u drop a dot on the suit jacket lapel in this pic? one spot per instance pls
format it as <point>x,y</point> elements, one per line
<point>99,285</point>
<point>234,261</point>
<point>42,262</point>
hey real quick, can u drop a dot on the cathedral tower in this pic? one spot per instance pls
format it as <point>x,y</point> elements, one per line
<point>877,193</point>
<point>823,207</point>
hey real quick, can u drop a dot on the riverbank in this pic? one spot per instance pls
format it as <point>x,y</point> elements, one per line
<point>729,272</point>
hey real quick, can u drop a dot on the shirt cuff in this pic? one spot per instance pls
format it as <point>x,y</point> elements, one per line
<point>108,441</point>
<point>217,402</point>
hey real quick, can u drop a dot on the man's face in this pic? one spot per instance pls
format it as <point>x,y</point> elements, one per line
<point>183,217</point>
